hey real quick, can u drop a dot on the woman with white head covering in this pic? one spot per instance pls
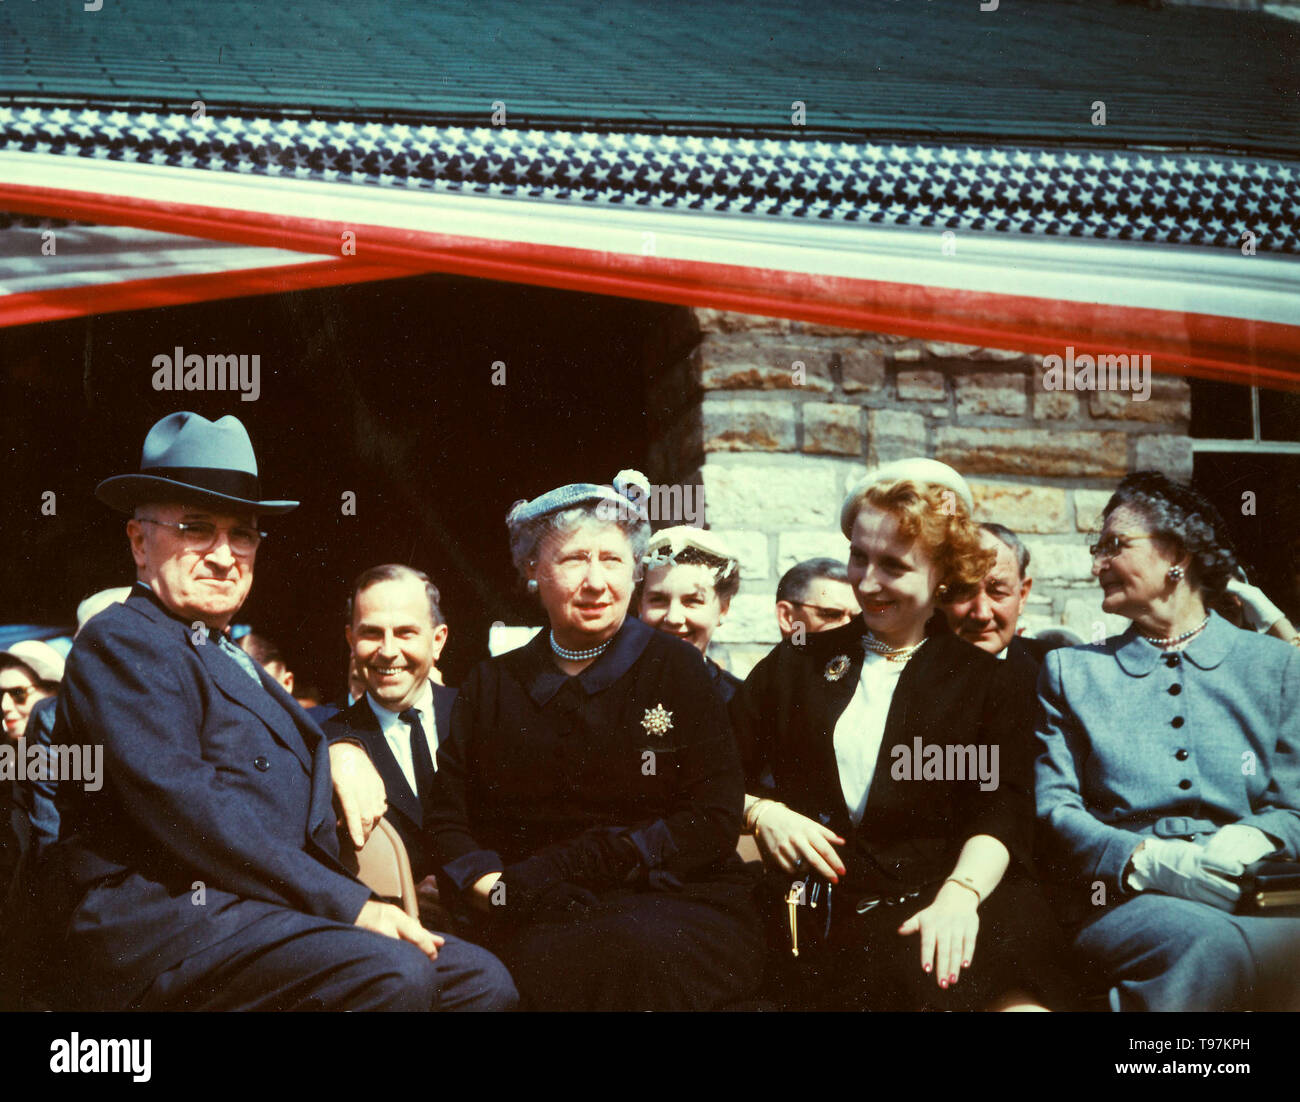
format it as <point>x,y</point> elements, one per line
<point>890,762</point>
<point>30,671</point>
<point>690,579</point>
<point>587,803</point>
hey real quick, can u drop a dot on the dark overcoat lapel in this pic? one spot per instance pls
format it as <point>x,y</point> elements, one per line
<point>287,720</point>
<point>212,785</point>
<point>406,811</point>
<point>949,692</point>
<point>360,723</point>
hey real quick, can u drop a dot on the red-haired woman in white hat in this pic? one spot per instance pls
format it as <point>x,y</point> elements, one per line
<point>888,762</point>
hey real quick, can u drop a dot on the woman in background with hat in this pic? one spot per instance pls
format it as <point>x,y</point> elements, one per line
<point>891,763</point>
<point>690,579</point>
<point>30,671</point>
<point>588,800</point>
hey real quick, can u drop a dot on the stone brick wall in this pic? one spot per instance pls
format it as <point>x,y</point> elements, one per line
<point>773,418</point>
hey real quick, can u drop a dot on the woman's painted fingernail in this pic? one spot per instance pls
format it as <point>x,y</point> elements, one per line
<point>943,984</point>
<point>952,978</point>
<point>926,967</point>
<point>965,964</point>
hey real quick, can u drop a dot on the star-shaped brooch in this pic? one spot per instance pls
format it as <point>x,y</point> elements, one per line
<point>836,667</point>
<point>657,720</point>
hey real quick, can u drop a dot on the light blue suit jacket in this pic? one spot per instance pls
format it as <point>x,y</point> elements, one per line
<point>1135,742</point>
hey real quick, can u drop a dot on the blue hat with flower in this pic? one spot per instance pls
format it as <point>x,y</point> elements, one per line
<point>628,496</point>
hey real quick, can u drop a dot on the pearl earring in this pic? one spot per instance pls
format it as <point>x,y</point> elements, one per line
<point>1176,573</point>
<point>532,585</point>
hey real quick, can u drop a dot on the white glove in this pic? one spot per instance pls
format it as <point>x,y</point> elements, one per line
<point>1235,846</point>
<point>1177,867</point>
<point>1261,613</point>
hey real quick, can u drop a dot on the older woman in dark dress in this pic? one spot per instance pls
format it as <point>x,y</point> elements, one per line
<point>889,765</point>
<point>588,800</point>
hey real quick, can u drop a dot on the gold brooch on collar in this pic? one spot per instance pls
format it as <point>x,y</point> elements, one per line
<point>836,667</point>
<point>657,720</point>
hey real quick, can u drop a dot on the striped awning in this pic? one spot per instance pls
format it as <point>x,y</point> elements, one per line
<point>209,151</point>
<point>1191,258</point>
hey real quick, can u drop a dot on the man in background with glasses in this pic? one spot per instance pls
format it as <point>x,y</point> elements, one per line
<point>814,595</point>
<point>205,873</point>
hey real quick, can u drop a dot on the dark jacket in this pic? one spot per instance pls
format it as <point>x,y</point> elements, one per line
<point>215,806</point>
<point>637,742</point>
<point>1027,654</point>
<point>34,797</point>
<point>725,682</point>
<point>912,830</point>
<point>405,811</point>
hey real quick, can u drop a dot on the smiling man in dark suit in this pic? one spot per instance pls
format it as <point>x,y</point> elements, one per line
<point>205,873</point>
<point>989,616</point>
<point>396,631</point>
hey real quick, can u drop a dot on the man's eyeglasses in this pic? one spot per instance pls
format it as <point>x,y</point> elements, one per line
<point>19,696</point>
<point>201,535</point>
<point>1109,546</point>
<point>823,613</point>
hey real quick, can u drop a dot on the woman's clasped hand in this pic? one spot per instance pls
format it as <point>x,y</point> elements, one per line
<point>795,842</point>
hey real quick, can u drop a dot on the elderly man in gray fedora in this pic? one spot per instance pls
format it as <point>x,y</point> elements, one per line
<point>205,873</point>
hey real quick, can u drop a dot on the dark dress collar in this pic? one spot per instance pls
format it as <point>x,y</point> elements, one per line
<point>542,678</point>
<point>725,683</point>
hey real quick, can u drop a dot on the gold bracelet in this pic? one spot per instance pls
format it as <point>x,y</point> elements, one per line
<point>969,887</point>
<point>755,814</point>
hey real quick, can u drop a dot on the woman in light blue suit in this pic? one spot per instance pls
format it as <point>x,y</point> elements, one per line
<point>1170,761</point>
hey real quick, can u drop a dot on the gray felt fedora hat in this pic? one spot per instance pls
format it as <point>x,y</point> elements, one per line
<point>188,458</point>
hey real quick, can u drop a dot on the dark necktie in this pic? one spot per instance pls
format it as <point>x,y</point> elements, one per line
<point>419,753</point>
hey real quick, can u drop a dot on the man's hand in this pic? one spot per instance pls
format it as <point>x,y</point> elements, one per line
<point>392,921</point>
<point>426,891</point>
<point>480,894</point>
<point>433,914</point>
<point>358,789</point>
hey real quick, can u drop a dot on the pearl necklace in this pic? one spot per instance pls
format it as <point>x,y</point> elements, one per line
<point>1174,640</point>
<point>890,654</point>
<point>578,655</point>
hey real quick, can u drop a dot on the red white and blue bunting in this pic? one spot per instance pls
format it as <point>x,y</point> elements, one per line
<point>1189,256</point>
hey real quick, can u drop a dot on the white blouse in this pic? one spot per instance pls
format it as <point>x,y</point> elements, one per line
<point>861,729</point>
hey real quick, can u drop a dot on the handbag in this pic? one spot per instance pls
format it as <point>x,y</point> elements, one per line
<point>813,890</point>
<point>1270,887</point>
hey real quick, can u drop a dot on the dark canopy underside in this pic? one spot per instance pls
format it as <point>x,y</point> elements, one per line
<point>1182,77</point>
